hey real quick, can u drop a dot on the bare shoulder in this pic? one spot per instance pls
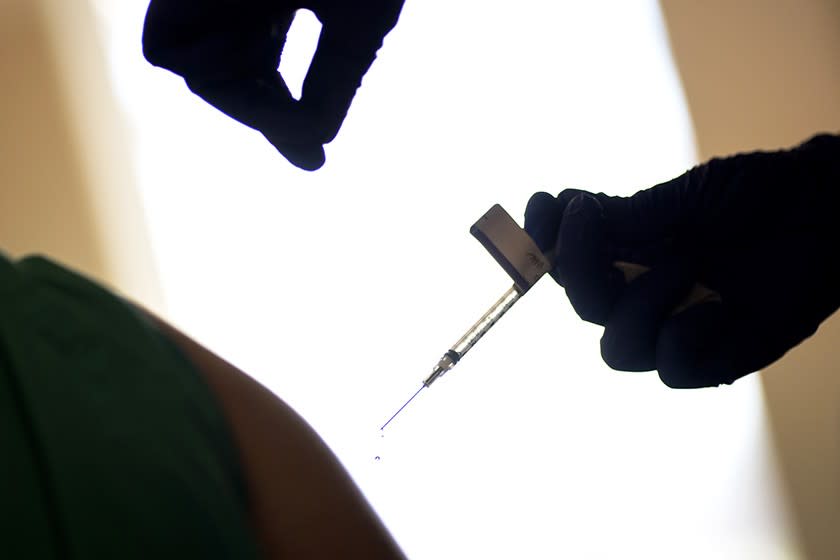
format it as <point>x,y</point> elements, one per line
<point>303,502</point>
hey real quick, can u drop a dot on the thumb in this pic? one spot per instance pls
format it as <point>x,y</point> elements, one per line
<point>543,214</point>
<point>267,106</point>
<point>572,228</point>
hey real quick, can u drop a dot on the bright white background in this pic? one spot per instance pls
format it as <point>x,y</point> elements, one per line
<point>340,289</point>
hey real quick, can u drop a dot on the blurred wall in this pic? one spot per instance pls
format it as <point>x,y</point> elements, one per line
<point>766,74</point>
<point>65,178</point>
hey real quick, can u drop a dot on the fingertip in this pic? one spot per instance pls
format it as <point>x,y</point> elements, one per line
<point>538,201</point>
<point>635,320</point>
<point>593,297</point>
<point>546,215</point>
<point>540,206</point>
<point>692,349</point>
<point>542,220</point>
<point>583,204</point>
<point>581,237</point>
<point>623,354</point>
<point>309,157</point>
<point>579,225</point>
<point>312,162</point>
<point>566,195</point>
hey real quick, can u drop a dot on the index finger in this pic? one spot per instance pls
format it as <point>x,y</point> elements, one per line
<point>583,264</point>
<point>352,32</point>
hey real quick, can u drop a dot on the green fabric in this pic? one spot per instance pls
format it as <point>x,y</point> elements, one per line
<point>111,445</point>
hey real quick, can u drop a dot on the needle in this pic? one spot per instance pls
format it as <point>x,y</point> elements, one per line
<point>403,406</point>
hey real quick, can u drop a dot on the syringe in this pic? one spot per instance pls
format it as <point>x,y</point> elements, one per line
<point>460,348</point>
<point>514,250</point>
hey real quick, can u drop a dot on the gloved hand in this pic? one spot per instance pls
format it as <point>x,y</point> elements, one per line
<point>228,52</point>
<point>760,230</point>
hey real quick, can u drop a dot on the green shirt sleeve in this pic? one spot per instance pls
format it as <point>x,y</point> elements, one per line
<point>120,448</point>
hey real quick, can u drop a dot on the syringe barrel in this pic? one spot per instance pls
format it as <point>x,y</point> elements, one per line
<point>460,348</point>
<point>480,328</point>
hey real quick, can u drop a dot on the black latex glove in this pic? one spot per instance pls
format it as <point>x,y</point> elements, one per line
<point>228,52</point>
<point>760,230</point>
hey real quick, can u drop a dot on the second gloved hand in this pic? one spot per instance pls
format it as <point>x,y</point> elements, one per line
<point>228,53</point>
<point>757,230</point>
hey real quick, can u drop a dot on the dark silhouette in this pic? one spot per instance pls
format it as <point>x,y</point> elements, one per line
<point>754,230</point>
<point>228,53</point>
<point>758,229</point>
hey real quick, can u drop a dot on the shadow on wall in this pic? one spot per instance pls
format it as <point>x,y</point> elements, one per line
<point>67,189</point>
<point>764,74</point>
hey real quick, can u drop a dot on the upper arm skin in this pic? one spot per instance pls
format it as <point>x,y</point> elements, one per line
<point>304,504</point>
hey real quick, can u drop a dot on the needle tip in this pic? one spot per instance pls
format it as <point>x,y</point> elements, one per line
<point>402,407</point>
